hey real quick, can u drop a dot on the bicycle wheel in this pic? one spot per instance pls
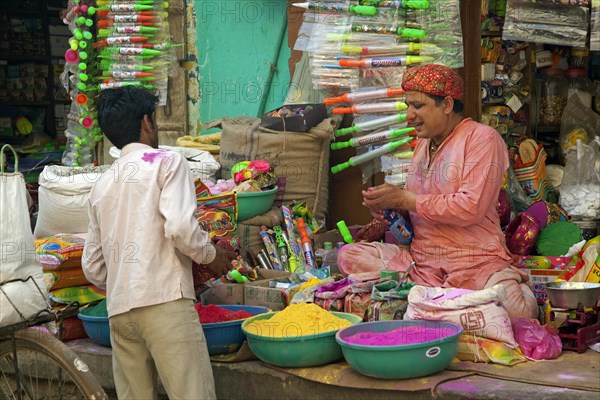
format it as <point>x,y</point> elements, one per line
<point>48,369</point>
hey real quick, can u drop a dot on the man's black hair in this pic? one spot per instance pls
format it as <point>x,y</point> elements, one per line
<point>120,113</point>
<point>458,105</point>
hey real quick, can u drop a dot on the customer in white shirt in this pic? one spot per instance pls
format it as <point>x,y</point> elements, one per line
<point>141,241</point>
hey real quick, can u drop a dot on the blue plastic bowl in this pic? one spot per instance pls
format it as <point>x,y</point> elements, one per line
<point>227,337</point>
<point>97,329</point>
<point>401,361</point>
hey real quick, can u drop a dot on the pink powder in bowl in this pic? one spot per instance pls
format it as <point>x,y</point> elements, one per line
<point>404,335</point>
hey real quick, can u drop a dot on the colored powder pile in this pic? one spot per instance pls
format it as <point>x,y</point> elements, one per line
<point>400,336</point>
<point>211,313</point>
<point>99,310</point>
<point>298,319</point>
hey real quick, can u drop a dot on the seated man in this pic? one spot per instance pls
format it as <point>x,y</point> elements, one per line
<point>449,198</point>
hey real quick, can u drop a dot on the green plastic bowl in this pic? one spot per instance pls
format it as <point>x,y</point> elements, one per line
<point>296,351</point>
<point>251,204</point>
<point>403,361</point>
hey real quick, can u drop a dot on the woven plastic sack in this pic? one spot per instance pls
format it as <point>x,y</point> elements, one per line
<point>480,312</point>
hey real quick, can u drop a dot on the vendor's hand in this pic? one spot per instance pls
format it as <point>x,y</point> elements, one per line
<point>378,215</point>
<point>388,196</point>
<point>382,197</point>
<point>222,262</point>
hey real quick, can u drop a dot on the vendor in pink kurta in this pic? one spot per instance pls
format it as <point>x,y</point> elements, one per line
<point>449,198</point>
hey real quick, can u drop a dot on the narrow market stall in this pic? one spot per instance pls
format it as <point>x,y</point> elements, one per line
<point>323,297</point>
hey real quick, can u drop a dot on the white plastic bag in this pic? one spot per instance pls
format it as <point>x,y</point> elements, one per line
<point>21,300</point>
<point>480,312</point>
<point>17,251</point>
<point>17,248</point>
<point>580,190</point>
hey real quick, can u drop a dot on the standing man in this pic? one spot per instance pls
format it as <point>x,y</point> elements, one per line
<point>141,241</point>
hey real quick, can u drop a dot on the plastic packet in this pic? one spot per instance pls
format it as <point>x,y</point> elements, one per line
<point>537,342</point>
<point>217,215</point>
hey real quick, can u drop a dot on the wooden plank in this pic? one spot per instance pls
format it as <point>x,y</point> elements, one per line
<point>173,116</point>
<point>470,11</point>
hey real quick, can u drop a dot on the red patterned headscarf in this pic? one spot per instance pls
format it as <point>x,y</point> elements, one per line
<point>434,79</point>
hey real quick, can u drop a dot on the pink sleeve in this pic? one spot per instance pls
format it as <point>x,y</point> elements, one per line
<point>485,161</point>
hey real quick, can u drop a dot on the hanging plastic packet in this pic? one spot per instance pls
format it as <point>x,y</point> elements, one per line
<point>217,215</point>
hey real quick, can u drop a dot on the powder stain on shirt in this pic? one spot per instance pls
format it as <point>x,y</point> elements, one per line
<point>298,319</point>
<point>154,155</point>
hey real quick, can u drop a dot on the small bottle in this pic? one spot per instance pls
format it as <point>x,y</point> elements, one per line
<point>330,256</point>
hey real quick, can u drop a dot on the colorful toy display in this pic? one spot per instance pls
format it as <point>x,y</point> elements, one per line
<point>115,43</point>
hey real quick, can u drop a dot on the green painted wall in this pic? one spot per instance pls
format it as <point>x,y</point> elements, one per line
<point>242,44</point>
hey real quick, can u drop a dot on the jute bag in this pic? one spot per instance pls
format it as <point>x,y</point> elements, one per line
<point>18,299</point>
<point>302,158</point>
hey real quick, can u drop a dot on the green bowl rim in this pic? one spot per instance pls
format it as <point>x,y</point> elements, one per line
<point>292,338</point>
<point>255,194</point>
<point>443,340</point>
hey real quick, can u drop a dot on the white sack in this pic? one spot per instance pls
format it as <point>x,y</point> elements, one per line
<point>480,312</point>
<point>63,199</point>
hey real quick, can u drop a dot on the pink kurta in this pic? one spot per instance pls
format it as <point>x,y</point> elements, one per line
<point>458,241</point>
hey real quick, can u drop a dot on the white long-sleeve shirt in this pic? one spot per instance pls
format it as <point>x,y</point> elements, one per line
<point>142,235</point>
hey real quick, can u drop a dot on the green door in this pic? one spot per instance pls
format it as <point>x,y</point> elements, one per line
<point>242,56</point>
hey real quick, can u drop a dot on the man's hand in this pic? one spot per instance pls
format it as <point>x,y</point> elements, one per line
<point>222,262</point>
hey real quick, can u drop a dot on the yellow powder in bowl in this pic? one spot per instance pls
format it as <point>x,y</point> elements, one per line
<point>298,319</point>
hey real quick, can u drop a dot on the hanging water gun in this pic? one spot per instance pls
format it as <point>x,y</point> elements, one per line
<point>422,4</point>
<point>362,96</point>
<point>362,158</point>
<point>374,138</point>
<point>109,66</point>
<point>120,40</point>
<point>371,108</point>
<point>134,51</point>
<point>384,61</point>
<point>401,32</point>
<point>337,7</point>
<point>128,29</point>
<point>127,75</point>
<point>372,124</point>
<point>410,47</point>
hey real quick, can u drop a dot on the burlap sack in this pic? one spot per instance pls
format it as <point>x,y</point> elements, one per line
<point>301,157</point>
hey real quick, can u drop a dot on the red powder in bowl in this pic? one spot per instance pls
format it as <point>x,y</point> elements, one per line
<point>400,336</point>
<point>211,313</point>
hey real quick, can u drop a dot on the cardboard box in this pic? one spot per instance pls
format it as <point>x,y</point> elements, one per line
<point>537,279</point>
<point>224,293</point>
<point>233,293</point>
<point>296,122</point>
<point>259,293</point>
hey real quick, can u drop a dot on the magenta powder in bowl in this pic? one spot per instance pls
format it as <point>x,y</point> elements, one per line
<point>401,336</point>
<point>399,349</point>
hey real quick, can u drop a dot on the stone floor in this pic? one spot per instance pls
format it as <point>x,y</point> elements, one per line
<point>254,380</point>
